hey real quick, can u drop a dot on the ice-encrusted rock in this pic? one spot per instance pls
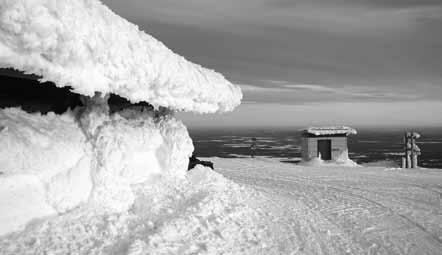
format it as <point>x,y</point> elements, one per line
<point>84,45</point>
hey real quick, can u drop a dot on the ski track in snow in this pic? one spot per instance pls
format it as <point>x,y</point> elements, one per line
<point>339,210</point>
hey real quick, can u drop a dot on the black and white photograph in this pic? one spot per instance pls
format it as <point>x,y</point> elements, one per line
<point>249,127</point>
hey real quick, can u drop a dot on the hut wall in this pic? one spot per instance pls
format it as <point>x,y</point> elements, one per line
<point>304,148</point>
<point>309,146</point>
<point>339,145</point>
<point>312,145</point>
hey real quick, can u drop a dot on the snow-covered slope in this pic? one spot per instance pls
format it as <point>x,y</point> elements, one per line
<point>84,45</point>
<point>203,213</point>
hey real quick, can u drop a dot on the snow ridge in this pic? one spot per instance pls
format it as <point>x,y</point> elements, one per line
<point>84,45</point>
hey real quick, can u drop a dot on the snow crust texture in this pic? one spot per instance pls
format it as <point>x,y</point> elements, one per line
<point>54,163</point>
<point>84,45</point>
<point>345,210</point>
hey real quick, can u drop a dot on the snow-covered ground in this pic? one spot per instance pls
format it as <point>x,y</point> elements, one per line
<point>256,206</point>
<point>354,210</point>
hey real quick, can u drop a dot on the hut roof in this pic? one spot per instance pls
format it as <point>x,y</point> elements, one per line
<point>342,130</point>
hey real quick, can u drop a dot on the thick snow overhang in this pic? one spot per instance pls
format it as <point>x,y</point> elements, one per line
<point>84,45</point>
<point>329,131</point>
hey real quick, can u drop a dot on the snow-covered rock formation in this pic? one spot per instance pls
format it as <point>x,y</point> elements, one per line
<point>84,45</point>
<point>88,157</point>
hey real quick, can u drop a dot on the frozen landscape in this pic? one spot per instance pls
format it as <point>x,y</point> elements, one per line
<point>92,180</point>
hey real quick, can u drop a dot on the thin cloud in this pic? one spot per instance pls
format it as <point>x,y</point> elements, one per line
<point>284,92</point>
<point>254,88</point>
<point>401,113</point>
<point>311,87</point>
<point>354,92</point>
<point>275,81</point>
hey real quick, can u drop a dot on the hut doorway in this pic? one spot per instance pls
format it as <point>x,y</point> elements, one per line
<point>324,149</point>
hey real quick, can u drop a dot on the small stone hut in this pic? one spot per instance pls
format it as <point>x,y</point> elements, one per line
<point>328,143</point>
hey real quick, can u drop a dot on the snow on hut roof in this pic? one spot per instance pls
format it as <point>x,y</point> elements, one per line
<point>84,45</point>
<point>330,130</point>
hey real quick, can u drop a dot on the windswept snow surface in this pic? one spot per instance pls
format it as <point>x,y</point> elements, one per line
<point>346,210</point>
<point>84,45</point>
<point>203,213</point>
<point>256,206</point>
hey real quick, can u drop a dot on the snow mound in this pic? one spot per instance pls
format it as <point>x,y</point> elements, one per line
<point>342,160</point>
<point>95,160</point>
<point>84,45</point>
<point>316,162</point>
<point>51,148</point>
<point>22,199</point>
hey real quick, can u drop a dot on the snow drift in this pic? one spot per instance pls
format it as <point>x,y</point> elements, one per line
<point>203,213</point>
<point>50,164</point>
<point>84,45</point>
<point>343,160</point>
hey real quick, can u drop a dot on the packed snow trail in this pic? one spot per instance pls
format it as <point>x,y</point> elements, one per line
<point>354,210</point>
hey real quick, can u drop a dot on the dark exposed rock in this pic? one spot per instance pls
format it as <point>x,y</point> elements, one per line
<point>193,161</point>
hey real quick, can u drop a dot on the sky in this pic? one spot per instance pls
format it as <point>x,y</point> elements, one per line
<point>309,62</point>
